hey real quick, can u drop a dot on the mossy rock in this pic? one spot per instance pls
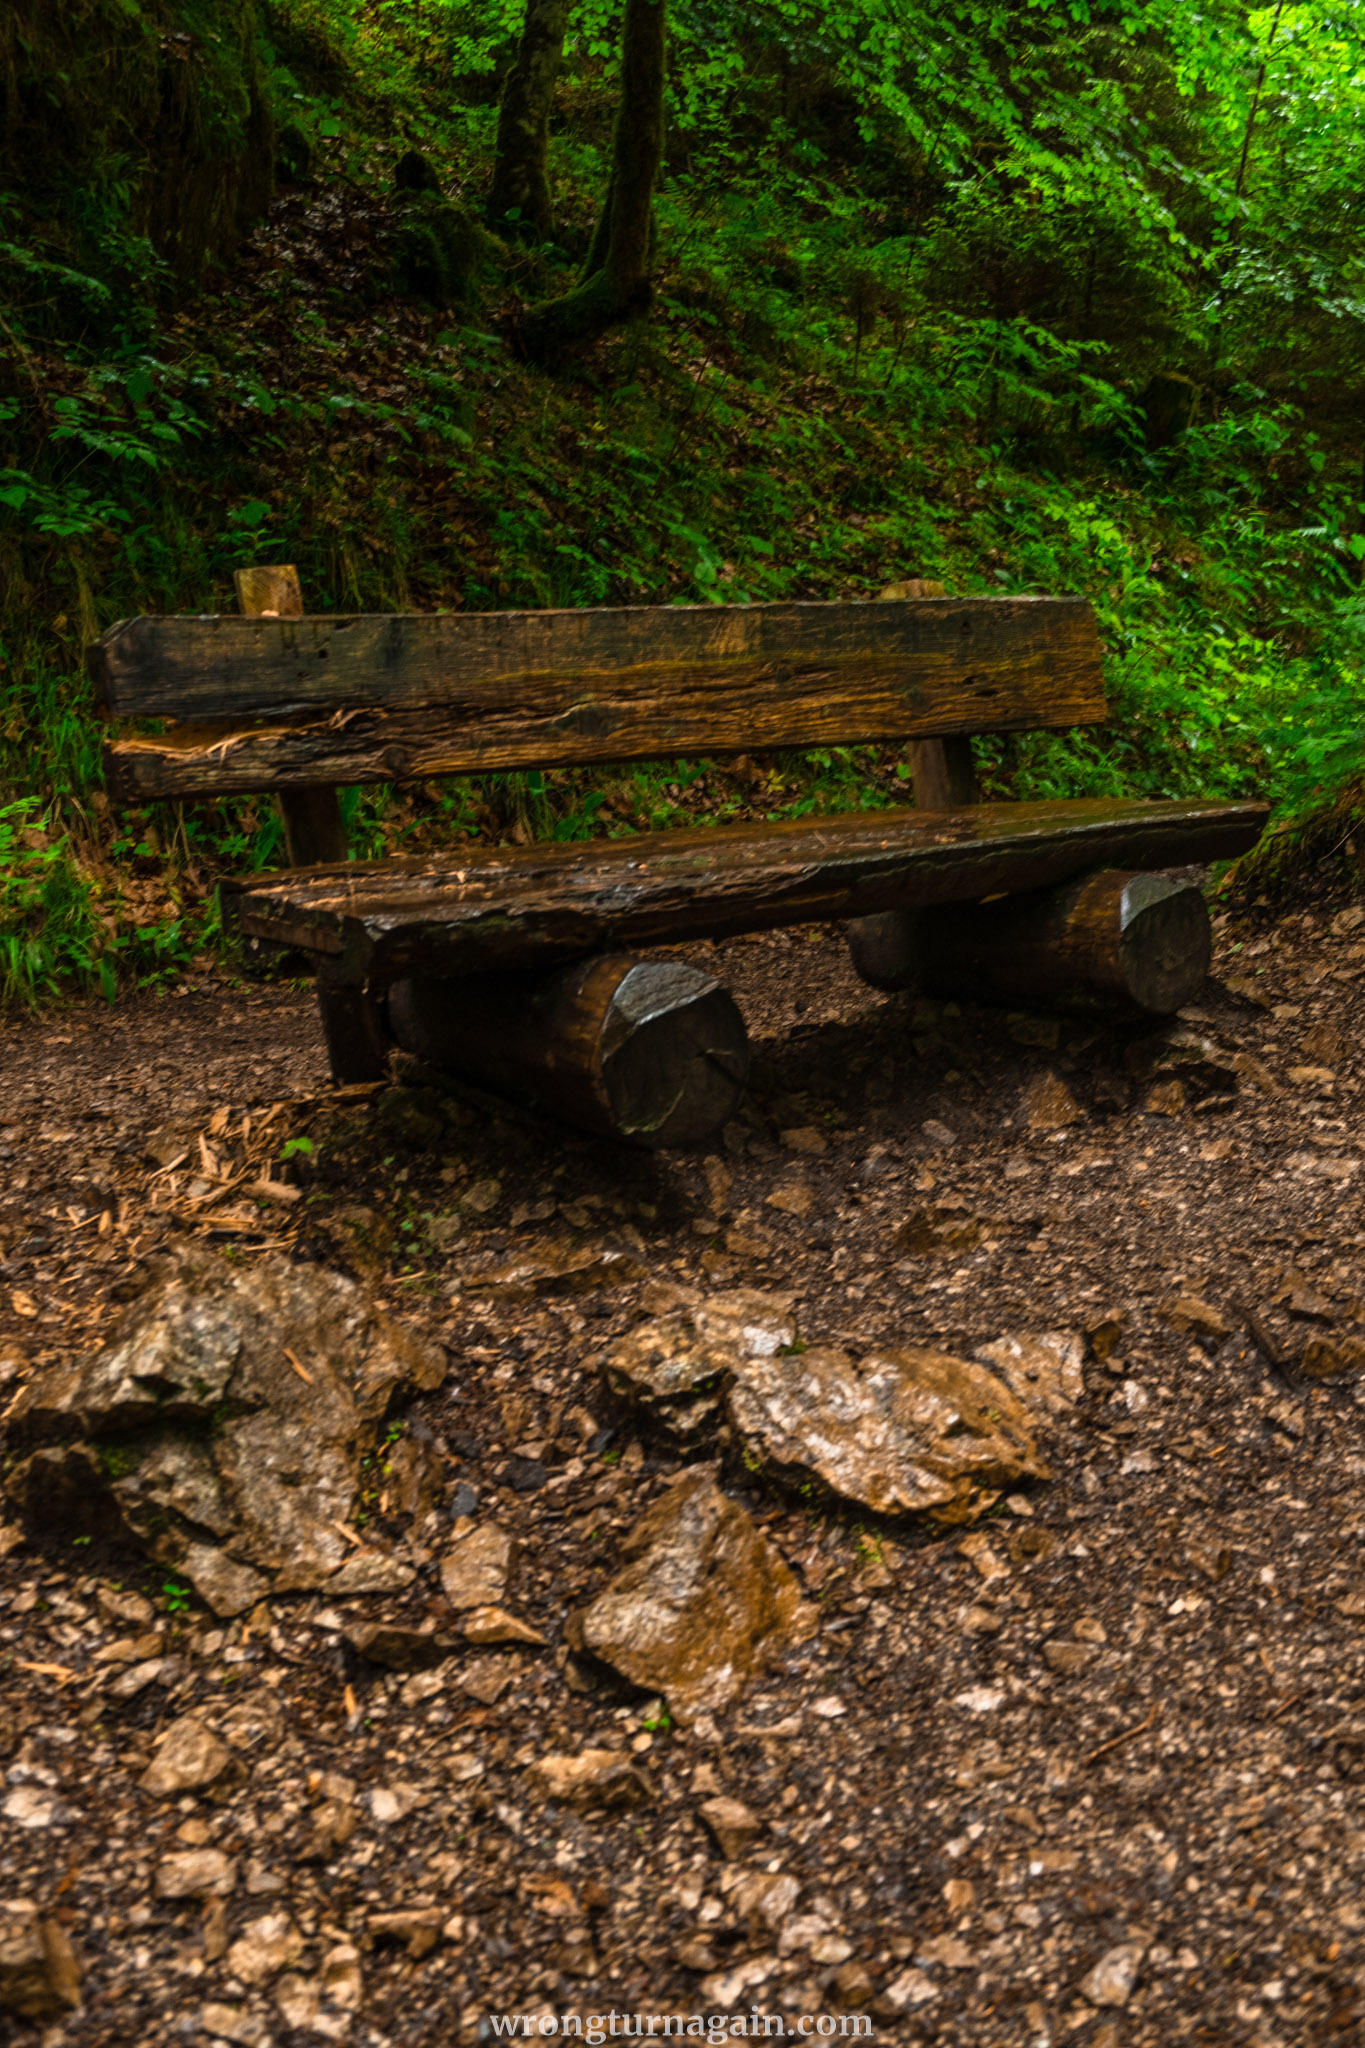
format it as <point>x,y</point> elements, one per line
<point>295,154</point>
<point>439,250</point>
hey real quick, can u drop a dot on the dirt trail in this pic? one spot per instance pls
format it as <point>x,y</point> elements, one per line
<point>1121,1718</point>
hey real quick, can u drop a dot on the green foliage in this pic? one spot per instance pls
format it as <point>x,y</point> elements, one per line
<point>1062,297</point>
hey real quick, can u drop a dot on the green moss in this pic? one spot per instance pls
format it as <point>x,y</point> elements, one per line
<point>439,250</point>
<point>1316,857</point>
<point>119,1461</point>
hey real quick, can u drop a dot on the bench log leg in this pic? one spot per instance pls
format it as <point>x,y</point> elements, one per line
<point>358,1048</point>
<point>653,1051</point>
<point>1109,941</point>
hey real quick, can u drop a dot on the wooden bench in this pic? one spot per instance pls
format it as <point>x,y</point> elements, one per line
<point>520,964</point>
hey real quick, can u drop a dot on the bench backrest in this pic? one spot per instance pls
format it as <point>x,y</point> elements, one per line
<point>281,703</point>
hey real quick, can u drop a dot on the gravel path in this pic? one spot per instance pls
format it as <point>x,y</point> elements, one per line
<point>1090,1770</point>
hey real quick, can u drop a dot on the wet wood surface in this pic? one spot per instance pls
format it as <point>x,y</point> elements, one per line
<point>275,703</point>
<point>650,1051</point>
<point>1112,941</point>
<point>489,908</point>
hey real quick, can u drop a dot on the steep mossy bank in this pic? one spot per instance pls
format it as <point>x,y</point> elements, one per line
<point>870,353</point>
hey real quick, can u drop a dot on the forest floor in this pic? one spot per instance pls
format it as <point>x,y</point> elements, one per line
<point>1120,1722</point>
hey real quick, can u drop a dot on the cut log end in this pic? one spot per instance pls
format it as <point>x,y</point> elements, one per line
<point>1131,943</point>
<point>650,1051</point>
<point>1167,942</point>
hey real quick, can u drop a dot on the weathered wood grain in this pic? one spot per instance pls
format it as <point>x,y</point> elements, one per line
<point>379,699</point>
<point>1116,942</point>
<point>357,1049</point>
<point>650,1051</point>
<point>488,909</point>
<point>313,831</point>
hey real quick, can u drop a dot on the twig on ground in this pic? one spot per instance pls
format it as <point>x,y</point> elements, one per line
<point>1126,1736</point>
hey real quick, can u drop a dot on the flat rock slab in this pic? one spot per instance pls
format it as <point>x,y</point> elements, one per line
<point>899,1431</point>
<point>222,1425</point>
<point>701,1603</point>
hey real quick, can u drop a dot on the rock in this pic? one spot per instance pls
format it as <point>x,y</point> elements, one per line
<point>189,1758</point>
<point>485,1625</point>
<point>477,1567</point>
<point>807,1140</point>
<point>1068,1659</point>
<point>1323,1358</point>
<point>233,2023</point>
<point>1186,1312</point>
<point>558,1267</point>
<point>40,1977</point>
<point>1044,1371</point>
<point>1165,1098</point>
<point>1048,1104</point>
<point>854,1986</point>
<point>792,1198</point>
<point>1105,1332</point>
<point>1112,1979</point>
<point>940,1136</point>
<point>675,1366</point>
<point>596,1778</point>
<point>371,1571</point>
<point>1323,1043</point>
<point>196,1874</point>
<point>125,1607</point>
<point>948,1950</point>
<point>224,1583</point>
<point>298,2000</point>
<point>942,1230</point>
<point>831,1948</point>
<point>417,1927</point>
<point>702,1600</point>
<point>340,1977</point>
<point>486,1679</point>
<point>396,1648</point>
<point>390,1803</point>
<point>732,1826</point>
<point>911,1989</point>
<point>264,1948</point>
<point>255,1719</point>
<point>900,1432</point>
<point>767,1897</point>
<point>30,1806</point>
<point>194,1432</point>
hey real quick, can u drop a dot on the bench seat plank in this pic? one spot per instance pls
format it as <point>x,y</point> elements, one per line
<point>377,699</point>
<point>489,908</point>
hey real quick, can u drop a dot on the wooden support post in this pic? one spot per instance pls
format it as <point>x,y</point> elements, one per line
<point>1110,941</point>
<point>314,836</point>
<point>942,774</point>
<point>313,832</point>
<point>654,1051</point>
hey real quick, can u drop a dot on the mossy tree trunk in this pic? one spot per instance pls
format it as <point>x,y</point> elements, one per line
<point>519,201</point>
<point>615,279</point>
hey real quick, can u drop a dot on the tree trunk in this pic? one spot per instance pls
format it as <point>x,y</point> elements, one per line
<point>1132,943</point>
<point>519,202</point>
<point>653,1051</point>
<point>615,280</point>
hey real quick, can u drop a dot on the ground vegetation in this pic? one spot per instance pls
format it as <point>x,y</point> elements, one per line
<point>1062,299</point>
